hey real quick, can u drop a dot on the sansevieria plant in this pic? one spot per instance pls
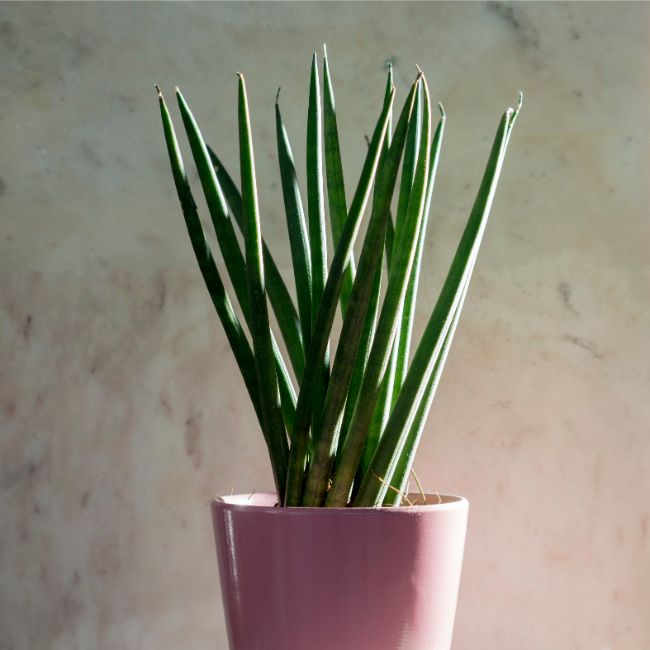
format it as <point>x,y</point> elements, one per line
<point>341,429</point>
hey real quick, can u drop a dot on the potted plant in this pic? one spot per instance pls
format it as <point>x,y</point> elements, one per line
<point>340,554</point>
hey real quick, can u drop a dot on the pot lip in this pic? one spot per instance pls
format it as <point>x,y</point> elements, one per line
<point>259,502</point>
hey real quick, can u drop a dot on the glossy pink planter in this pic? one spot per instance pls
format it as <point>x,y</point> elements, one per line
<point>339,578</point>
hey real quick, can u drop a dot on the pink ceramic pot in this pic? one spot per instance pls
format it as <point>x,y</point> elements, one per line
<point>339,578</point>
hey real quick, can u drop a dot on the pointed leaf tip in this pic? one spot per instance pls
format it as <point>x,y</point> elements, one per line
<point>443,115</point>
<point>277,96</point>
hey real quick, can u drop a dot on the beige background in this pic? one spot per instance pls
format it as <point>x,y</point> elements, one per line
<point>121,410</point>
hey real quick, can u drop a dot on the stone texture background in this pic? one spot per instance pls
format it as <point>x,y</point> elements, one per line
<point>121,410</point>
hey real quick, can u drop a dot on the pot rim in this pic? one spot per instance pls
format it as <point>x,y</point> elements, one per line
<point>251,501</point>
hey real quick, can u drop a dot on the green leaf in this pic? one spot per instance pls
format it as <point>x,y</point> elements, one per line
<point>334,177</point>
<point>389,88</point>
<point>232,255</point>
<point>390,228</point>
<point>408,315</point>
<point>298,238</point>
<point>355,318</point>
<point>287,391</point>
<point>401,347</point>
<point>392,376</point>
<point>236,336</point>
<point>390,238</point>
<point>399,478</point>
<point>321,332</point>
<point>379,418</point>
<point>228,243</point>
<point>403,256</point>
<point>279,295</point>
<point>373,304</point>
<point>317,232</point>
<point>315,203</point>
<point>365,343</point>
<point>385,461</point>
<point>267,381</point>
<point>411,155</point>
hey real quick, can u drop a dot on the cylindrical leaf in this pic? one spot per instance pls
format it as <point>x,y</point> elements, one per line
<point>267,381</point>
<point>321,332</point>
<point>236,337</point>
<point>429,349</point>
<point>403,255</point>
<point>353,324</point>
<point>283,307</point>
<point>298,236</point>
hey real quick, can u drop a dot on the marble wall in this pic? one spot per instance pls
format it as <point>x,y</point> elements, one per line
<point>121,410</point>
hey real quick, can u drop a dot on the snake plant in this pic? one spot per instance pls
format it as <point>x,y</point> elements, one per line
<point>340,430</point>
